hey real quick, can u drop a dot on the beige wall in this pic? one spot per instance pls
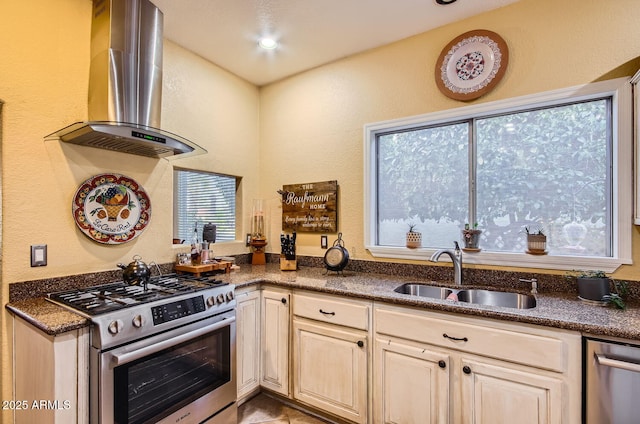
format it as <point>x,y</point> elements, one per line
<point>312,124</point>
<point>303,129</point>
<point>44,65</point>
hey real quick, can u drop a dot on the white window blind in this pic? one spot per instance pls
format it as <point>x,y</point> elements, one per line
<point>202,198</point>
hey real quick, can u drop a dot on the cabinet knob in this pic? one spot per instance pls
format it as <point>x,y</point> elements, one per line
<point>466,369</point>
<point>442,364</point>
<point>360,343</point>
<point>283,300</point>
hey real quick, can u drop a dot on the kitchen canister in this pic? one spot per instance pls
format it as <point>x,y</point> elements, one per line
<point>204,253</point>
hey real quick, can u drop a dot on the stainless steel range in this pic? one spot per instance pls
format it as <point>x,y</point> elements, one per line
<point>160,353</point>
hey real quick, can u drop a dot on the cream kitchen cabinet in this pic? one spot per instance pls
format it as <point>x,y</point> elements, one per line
<point>331,354</point>
<point>248,341</point>
<point>635,84</point>
<point>472,370</point>
<point>412,382</point>
<point>499,392</point>
<point>51,375</point>
<point>274,340</point>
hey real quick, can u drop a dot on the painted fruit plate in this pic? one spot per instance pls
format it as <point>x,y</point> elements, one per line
<point>111,208</point>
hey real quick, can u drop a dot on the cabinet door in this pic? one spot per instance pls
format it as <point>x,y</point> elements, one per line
<point>411,383</point>
<point>497,394</point>
<point>248,341</point>
<point>53,370</point>
<point>330,369</point>
<point>274,338</point>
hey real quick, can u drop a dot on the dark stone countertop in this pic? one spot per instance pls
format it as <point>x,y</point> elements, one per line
<point>46,316</point>
<point>556,310</point>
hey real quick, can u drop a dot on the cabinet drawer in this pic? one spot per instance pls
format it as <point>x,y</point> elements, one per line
<point>537,350</point>
<point>332,310</point>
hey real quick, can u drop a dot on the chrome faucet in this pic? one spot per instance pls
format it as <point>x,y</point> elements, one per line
<point>534,284</point>
<point>456,258</point>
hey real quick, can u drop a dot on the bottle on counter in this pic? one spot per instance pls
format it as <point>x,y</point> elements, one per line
<point>195,246</point>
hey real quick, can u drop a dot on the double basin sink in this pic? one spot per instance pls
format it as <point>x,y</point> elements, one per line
<point>476,296</point>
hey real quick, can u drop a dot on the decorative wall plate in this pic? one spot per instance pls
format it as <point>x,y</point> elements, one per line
<point>471,64</point>
<point>111,208</point>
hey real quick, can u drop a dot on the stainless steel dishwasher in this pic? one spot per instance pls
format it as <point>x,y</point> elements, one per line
<point>612,382</point>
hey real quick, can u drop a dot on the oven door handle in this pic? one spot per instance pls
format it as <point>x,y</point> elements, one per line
<point>616,363</point>
<point>123,358</point>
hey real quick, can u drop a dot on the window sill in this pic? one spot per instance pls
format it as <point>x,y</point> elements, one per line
<point>226,247</point>
<point>505,259</point>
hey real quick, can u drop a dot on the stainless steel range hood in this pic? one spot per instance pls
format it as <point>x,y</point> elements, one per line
<point>125,84</point>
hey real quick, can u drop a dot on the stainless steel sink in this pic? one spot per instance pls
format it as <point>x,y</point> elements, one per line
<point>497,298</point>
<point>424,290</point>
<point>476,296</point>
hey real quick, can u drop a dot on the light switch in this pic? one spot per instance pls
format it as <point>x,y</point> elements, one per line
<point>39,255</point>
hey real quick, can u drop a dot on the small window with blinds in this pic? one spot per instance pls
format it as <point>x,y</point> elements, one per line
<point>202,198</point>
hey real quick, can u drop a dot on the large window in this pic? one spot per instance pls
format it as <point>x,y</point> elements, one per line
<point>202,197</point>
<point>560,162</point>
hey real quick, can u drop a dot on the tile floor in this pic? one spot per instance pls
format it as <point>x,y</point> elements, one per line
<point>263,409</point>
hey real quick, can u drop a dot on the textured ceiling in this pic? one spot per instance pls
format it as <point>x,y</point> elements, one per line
<point>310,32</point>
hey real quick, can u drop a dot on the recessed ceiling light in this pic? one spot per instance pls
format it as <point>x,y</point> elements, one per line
<point>268,43</point>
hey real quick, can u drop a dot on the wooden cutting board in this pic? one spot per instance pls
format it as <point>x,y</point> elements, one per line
<point>198,270</point>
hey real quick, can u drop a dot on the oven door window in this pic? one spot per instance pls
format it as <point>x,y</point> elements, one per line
<point>159,384</point>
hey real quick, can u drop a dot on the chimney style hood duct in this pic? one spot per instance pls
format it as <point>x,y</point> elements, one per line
<point>125,84</point>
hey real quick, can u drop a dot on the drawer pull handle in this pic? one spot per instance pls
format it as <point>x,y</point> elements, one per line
<point>327,313</point>
<point>457,339</point>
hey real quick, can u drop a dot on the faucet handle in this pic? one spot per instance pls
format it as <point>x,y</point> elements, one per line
<point>534,284</point>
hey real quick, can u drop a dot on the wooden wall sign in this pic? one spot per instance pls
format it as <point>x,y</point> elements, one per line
<point>311,207</point>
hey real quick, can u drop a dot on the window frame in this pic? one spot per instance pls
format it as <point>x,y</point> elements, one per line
<point>622,176</point>
<point>237,212</point>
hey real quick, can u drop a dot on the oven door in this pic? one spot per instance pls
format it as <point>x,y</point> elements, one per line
<point>185,375</point>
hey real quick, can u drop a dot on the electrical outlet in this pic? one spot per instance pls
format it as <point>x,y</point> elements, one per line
<point>38,255</point>
<point>323,241</point>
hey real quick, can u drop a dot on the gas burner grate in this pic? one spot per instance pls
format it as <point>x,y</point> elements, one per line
<point>111,297</point>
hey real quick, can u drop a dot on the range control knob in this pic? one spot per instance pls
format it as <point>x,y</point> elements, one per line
<point>115,327</point>
<point>229,296</point>
<point>220,298</point>
<point>211,301</point>
<point>137,321</point>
